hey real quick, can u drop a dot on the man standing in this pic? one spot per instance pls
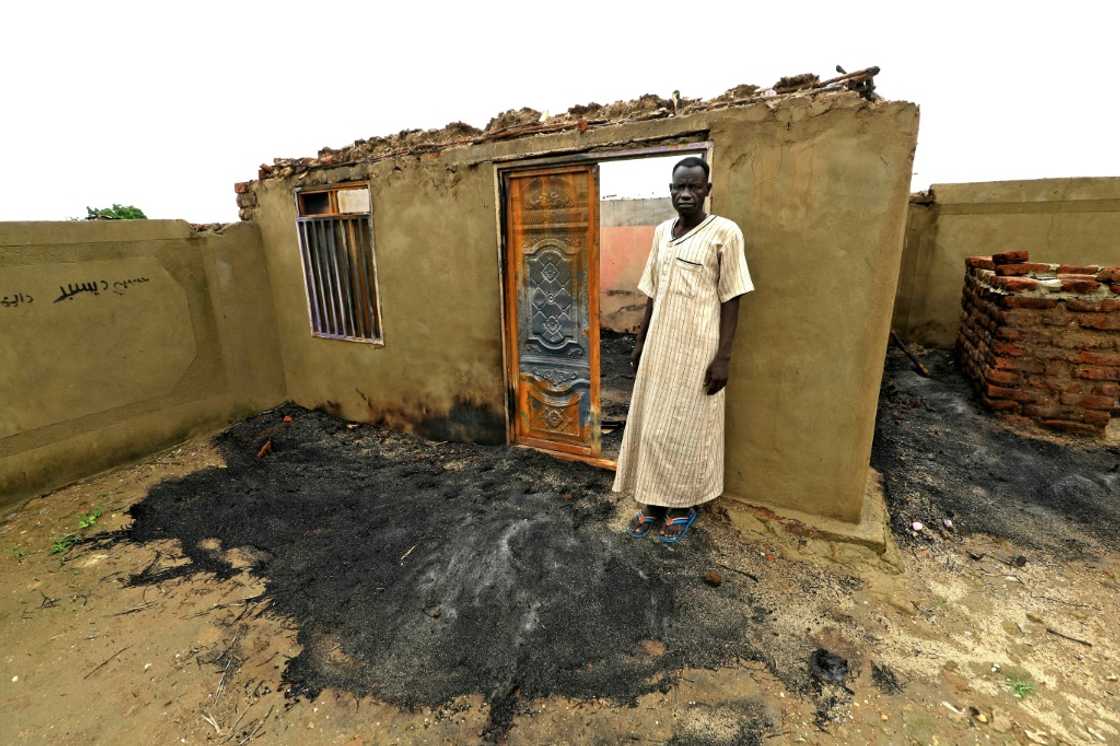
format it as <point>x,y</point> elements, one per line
<point>672,449</point>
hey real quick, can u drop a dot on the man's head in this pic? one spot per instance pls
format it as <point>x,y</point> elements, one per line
<point>690,186</point>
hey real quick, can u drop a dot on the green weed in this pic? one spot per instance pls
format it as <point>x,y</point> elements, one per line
<point>86,520</point>
<point>1020,687</point>
<point>19,553</point>
<point>63,544</point>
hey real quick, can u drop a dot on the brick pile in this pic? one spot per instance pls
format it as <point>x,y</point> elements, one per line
<point>246,199</point>
<point>1043,340</point>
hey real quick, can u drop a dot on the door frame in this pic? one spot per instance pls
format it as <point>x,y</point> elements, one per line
<point>508,295</point>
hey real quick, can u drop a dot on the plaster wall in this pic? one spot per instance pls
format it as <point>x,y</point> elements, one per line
<point>820,187</point>
<point>128,336</point>
<point>1067,221</point>
<point>625,234</point>
<point>637,211</point>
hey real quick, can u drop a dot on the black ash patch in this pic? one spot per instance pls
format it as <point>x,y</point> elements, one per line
<point>419,572</point>
<point>943,456</point>
<point>885,679</point>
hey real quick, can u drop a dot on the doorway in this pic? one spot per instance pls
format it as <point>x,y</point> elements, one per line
<point>576,236</point>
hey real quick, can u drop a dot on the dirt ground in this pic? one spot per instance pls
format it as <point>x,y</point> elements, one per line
<point>358,586</point>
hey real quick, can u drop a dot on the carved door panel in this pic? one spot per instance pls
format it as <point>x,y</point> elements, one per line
<point>552,308</point>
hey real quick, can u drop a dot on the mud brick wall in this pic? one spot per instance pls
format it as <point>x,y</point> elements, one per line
<point>1043,340</point>
<point>121,337</point>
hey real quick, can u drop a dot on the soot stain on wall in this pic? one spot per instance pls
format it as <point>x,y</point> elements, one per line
<point>466,421</point>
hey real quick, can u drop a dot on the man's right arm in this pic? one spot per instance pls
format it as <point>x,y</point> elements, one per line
<point>640,342</point>
<point>647,285</point>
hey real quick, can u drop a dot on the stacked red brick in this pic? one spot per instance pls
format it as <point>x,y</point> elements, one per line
<point>1043,340</point>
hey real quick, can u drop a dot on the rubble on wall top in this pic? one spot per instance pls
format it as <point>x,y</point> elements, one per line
<point>525,121</point>
<point>1014,272</point>
<point>209,227</point>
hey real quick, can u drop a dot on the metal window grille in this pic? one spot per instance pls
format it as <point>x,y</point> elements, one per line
<point>340,275</point>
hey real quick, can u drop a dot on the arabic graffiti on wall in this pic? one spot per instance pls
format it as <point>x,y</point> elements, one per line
<point>96,287</point>
<point>71,290</point>
<point>16,299</point>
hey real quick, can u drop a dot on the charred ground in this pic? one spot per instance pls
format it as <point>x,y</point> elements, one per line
<point>472,590</point>
<point>418,572</point>
<point>943,456</point>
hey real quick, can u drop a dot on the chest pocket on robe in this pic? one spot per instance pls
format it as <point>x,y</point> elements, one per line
<point>688,278</point>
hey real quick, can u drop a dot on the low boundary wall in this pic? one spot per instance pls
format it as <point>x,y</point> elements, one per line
<point>118,338</point>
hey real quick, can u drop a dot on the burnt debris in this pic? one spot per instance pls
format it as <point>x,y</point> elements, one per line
<point>418,572</point>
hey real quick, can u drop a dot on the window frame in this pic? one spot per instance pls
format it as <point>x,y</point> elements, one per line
<point>333,214</point>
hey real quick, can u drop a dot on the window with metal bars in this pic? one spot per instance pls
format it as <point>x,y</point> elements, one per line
<point>339,268</point>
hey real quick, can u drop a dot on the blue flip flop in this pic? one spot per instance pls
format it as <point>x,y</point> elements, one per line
<point>685,521</point>
<point>641,525</point>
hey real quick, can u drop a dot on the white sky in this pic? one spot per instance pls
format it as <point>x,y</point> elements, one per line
<point>637,177</point>
<point>166,105</point>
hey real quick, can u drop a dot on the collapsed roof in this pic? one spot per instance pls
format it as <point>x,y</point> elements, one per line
<point>522,122</point>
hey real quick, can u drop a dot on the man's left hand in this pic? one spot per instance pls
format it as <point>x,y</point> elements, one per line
<point>716,377</point>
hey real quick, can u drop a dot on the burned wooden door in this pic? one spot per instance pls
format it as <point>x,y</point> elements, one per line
<point>552,307</point>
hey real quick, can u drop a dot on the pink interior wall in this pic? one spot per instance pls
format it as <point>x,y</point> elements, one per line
<point>623,250</point>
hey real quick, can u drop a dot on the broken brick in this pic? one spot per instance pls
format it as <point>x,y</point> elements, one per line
<point>1027,301</point>
<point>1028,365</point>
<point>1098,417</point>
<point>1000,405</point>
<point>1071,427</point>
<point>1097,373</point>
<point>1107,389</point>
<point>1089,401</point>
<point>1016,283</point>
<point>1081,306</point>
<point>1098,358</point>
<point>1011,257</point>
<point>1079,283</point>
<point>1057,368</point>
<point>1002,376</point>
<point>1078,269</point>
<point>1040,411</point>
<point>1000,392</point>
<point>1101,321</point>
<point>979,262</point>
<point>1006,348</point>
<point>1024,268</point>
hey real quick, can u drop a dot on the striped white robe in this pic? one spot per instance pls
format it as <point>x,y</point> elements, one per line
<point>672,448</point>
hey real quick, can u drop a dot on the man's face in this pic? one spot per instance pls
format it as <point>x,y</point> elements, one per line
<point>688,190</point>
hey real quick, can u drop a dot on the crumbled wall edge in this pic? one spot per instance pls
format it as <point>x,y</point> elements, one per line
<point>209,227</point>
<point>525,122</point>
